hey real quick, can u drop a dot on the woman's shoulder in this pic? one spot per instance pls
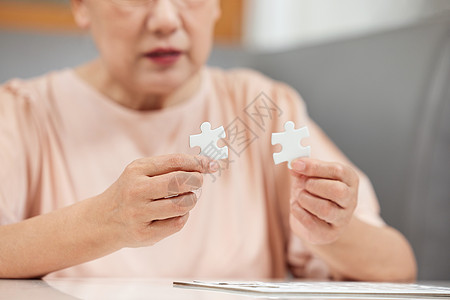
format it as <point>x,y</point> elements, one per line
<point>248,80</point>
<point>24,90</point>
<point>239,77</point>
<point>27,106</point>
<point>247,85</point>
<point>25,95</point>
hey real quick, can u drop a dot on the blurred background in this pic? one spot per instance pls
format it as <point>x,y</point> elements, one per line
<point>375,75</point>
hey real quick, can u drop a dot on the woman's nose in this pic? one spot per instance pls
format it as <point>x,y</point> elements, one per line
<point>164,18</point>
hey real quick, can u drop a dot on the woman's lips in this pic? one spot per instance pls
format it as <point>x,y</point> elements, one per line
<point>164,56</point>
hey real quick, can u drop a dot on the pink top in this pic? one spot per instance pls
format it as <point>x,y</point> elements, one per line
<point>61,141</point>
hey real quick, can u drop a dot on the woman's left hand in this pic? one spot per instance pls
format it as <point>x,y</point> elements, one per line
<point>323,199</point>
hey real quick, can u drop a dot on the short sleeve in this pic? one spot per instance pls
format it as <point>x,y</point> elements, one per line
<point>17,137</point>
<point>301,261</point>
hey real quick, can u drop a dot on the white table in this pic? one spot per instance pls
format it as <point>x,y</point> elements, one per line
<point>112,288</point>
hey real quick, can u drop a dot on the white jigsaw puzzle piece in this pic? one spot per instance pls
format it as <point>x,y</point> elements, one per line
<point>290,140</point>
<point>207,141</point>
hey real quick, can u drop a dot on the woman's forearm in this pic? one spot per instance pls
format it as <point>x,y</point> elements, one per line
<point>369,253</point>
<point>54,241</point>
<point>138,210</point>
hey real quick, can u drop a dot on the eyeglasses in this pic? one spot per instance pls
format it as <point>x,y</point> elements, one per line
<point>179,3</point>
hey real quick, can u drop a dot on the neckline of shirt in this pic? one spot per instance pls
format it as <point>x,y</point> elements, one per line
<point>95,95</point>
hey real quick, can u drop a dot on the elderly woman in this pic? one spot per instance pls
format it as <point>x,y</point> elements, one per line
<point>97,177</point>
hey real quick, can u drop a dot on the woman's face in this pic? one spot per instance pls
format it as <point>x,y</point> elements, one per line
<point>150,46</point>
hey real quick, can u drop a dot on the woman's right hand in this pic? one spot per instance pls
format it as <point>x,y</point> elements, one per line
<point>152,198</point>
<point>150,201</point>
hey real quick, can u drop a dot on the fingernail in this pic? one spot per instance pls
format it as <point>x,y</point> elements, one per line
<point>298,165</point>
<point>197,193</point>
<point>213,166</point>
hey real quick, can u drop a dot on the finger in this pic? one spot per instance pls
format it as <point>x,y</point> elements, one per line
<point>299,180</point>
<point>318,168</point>
<point>158,165</point>
<point>161,229</point>
<point>172,207</point>
<point>323,209</point>
<point>332,190</point>
<point>319,231</point>
<point>175,183</point>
